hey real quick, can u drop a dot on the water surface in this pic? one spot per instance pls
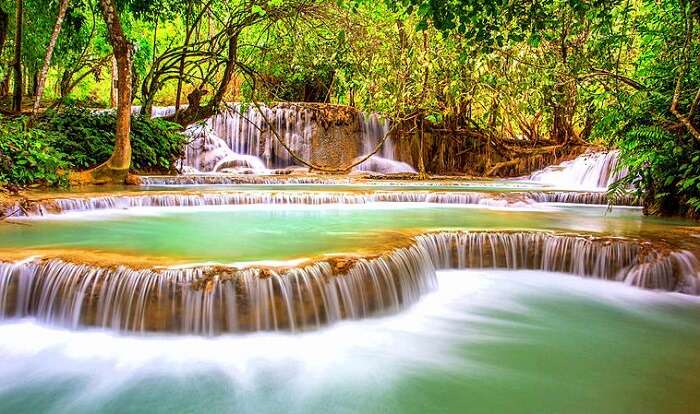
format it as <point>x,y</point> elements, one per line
<point>268,232</point>
<point>485,342</point>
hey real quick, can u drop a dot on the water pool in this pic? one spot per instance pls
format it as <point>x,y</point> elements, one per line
<point>244,233</point>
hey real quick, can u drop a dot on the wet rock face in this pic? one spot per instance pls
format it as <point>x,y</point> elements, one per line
<point>336,146</point>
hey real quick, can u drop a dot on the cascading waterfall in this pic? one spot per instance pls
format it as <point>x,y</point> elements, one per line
<point>121,202</point>
<point>207,152</point>
<point>590,171</point>
<point>591,198</point>
<point>213,300</point>
<point>219,179</point>
<point>157,111</point>
<point>373,129</point>
<point>163,111</point>
<point>240,137</point>
<point>244,132</point>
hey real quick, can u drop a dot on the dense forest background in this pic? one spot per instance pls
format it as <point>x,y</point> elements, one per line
<point>520,79</point>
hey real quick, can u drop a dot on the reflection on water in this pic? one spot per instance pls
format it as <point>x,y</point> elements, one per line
<point>484,342</point>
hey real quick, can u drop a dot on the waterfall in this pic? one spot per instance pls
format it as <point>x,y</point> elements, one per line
<point>219,179</point>
<point>590,198</point>
<point>591,171</point>
<point>121,202</point>
<point>207,152</point>
<point>212,300</point>
<point>157,111</point>
<point>373,129</point>
<point>245,131</point>
<point>242,131</point>
<point>239,135</point>
<point>163,111</point>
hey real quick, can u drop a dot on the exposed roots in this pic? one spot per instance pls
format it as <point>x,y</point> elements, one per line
<point>102,174</point>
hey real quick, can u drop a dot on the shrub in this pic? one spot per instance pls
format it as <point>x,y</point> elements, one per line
<point>80,139</point>
<point>665,168</point>
<point>27,155</point>
<point>87,138</point>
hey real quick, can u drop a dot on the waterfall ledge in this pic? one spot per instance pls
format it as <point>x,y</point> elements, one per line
<point>211,300</point>
<point>62,205</point>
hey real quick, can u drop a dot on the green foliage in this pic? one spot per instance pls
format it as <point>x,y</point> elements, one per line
<point>535,72</point>
<point>28,157</point>
<point>78,139</point>
<point>88,139</point>
<point>662,156</point>
<point>665,170</point>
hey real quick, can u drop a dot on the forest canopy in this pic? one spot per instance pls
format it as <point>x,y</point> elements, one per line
<point>514,78</point>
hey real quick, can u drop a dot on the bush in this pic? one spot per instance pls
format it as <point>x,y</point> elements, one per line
<point>80,139</point>
<point>665,169</point>
<point>87,137</point>
<point>27,155</point>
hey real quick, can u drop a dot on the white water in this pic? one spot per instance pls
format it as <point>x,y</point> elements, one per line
<point>245,134</point>
<point>588,172</point>
<point>359,366</point>
<point>206,151</point>
<point>62,206</point>
<point>212,301</point>
<point>373,129</point>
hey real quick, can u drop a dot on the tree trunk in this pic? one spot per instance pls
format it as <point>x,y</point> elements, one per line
<point>121,157</point>
<point>65,83</point>
<point>17,63</point>
<point>62,7</point>
<point>421,149</point>
<point>116,168</point>
<point>31,91</point>
<point>181,69</point>
<point>113,84</point>
<point>5,84</point>
<point>4,23</point>
<point>194,111</point>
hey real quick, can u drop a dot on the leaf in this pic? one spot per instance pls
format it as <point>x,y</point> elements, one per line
<point>256,9</point>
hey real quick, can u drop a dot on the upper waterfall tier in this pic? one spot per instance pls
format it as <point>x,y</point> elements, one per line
<point>244,139</point>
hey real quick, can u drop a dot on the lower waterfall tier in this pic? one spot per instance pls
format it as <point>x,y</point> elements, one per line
<point>212,300</point>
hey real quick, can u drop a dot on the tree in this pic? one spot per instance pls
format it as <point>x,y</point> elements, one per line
<point>17,62</point>
<point>655,126</point>
<point>215,61</point>
<point>4,23</point>
<point>116,168</point>
<point>63,6</point>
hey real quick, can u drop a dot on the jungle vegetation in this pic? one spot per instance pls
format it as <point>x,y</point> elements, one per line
<point>519,79</point>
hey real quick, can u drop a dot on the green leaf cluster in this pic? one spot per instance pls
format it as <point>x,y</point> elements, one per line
<point>78,139</point>
<point>27,155</point>
<point>87,139</point>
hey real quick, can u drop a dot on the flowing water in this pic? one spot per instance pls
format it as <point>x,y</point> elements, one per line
<point>590,171</point>
<point>306,294</point>
<point>483,342</point>
<point>301,267</point>
<point>239,140</point>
